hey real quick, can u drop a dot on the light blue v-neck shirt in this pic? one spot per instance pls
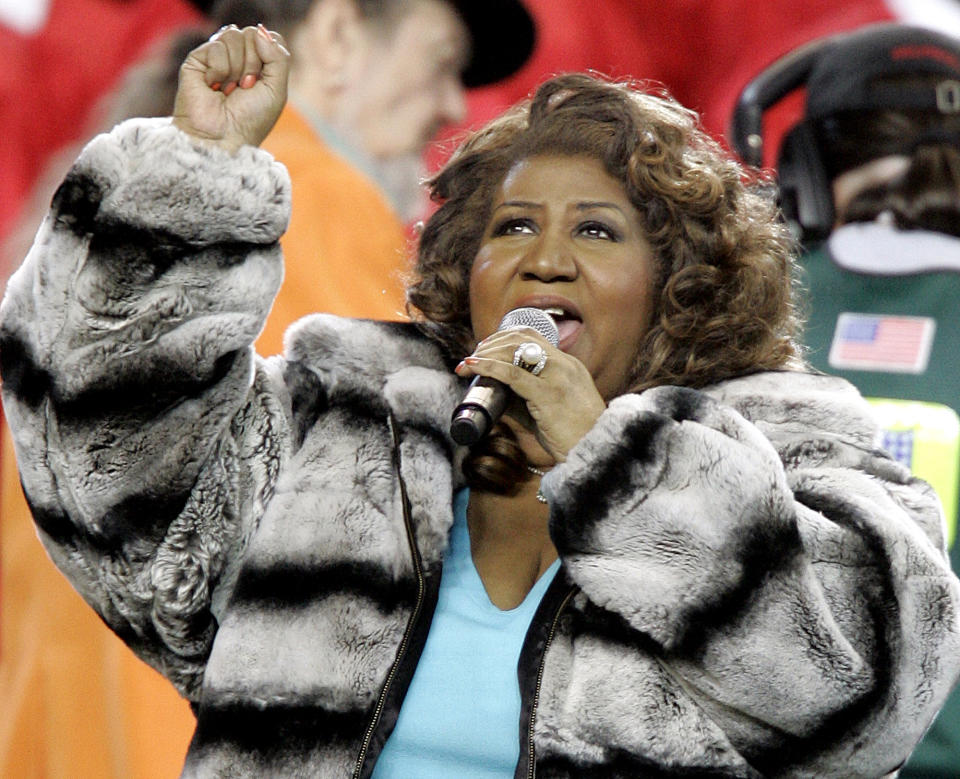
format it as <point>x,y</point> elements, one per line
<point>461,715</point>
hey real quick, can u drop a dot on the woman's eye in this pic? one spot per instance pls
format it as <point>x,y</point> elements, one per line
<point>514,227</point>
<point>598,230</point>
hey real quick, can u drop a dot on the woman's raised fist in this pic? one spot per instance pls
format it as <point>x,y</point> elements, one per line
<point>233,87</point>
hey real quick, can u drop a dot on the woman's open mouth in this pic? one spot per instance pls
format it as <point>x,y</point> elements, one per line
<point>568,323</point>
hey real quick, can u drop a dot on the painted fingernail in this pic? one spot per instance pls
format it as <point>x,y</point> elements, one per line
<point>471,360</point>
<point>248,81</point>
<point>229,87</point>
<point>263,33</point>
<point>215,86</point>
<point>460,366</point>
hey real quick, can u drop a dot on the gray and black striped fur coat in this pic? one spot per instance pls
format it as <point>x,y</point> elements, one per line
<point>749,588</point>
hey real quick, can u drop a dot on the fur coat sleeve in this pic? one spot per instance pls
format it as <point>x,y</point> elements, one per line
<point>148,438</point>
<point>791,578</point>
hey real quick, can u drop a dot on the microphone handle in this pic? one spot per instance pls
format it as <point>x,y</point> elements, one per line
<point>483,404</point>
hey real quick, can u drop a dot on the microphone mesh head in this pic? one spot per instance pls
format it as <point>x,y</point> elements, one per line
<point>534,318</point>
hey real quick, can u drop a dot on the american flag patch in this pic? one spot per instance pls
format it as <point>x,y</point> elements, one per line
<point>882,342</point>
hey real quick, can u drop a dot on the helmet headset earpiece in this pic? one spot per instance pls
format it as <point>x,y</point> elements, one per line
<point>806,198</point>
<point>844,72</point>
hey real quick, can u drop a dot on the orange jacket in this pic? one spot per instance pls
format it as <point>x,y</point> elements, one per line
<point>345,250</point>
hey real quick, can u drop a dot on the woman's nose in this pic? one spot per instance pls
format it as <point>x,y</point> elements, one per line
<point>549,259</point>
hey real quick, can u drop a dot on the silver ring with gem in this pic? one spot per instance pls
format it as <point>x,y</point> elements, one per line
<point>531,357</point>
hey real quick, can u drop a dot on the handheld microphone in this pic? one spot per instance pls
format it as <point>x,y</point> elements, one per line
<point>486,398</point>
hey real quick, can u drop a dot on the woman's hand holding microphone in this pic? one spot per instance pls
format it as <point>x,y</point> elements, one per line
<point>560,401</point>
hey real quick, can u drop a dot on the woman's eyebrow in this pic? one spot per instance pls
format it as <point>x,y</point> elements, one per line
<point>518,204</point>
<point>590,204</point>
<point>585,205</point>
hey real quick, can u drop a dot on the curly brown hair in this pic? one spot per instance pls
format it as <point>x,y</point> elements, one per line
<point>724,302</point>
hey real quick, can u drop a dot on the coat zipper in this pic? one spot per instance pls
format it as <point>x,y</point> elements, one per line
<point>421,589</point>
<point>531,773</point>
